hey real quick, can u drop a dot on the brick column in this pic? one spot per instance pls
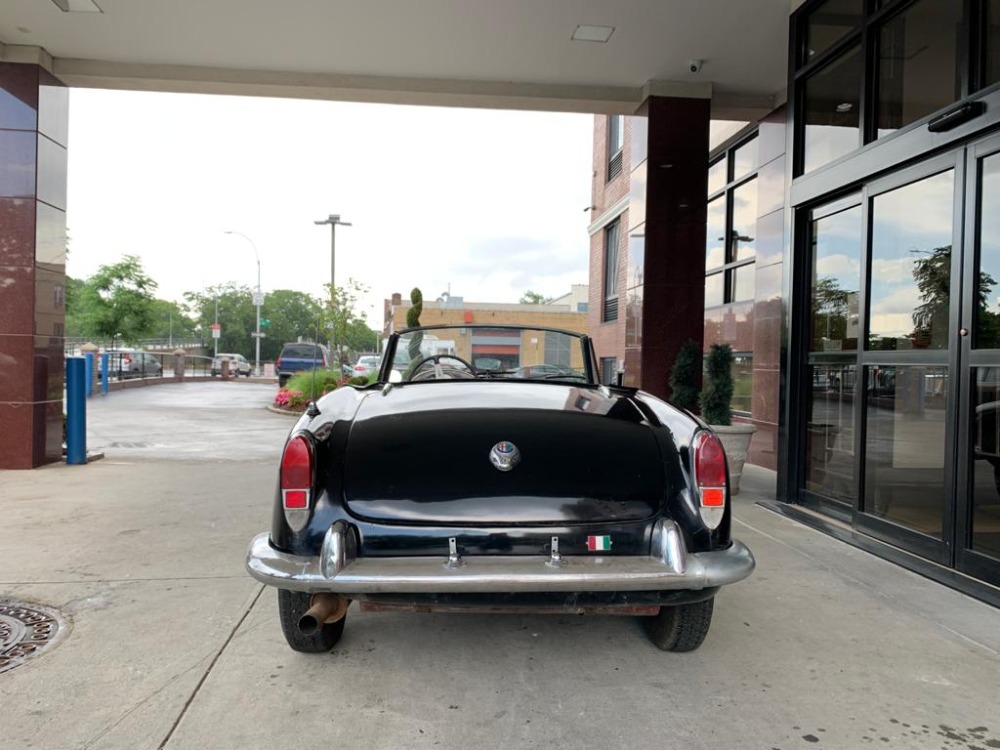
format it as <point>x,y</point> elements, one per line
<point>34,120</point>
<point>665,280</point>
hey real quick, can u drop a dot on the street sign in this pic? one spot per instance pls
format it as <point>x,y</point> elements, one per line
<point>256,335</point>
<point>216,330</point>
<point>258,298</point>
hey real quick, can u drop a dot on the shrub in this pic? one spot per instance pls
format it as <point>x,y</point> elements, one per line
<point>313,384</point>
<point>717,393</point>
<point>684,376</point>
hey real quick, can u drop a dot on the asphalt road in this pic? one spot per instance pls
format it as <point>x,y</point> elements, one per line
<point>171,645</point>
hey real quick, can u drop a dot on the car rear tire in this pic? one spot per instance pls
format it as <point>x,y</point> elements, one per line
<point>291,606</point>
<point>682,627</point>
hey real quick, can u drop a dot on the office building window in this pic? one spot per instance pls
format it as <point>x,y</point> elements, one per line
<point>731,228</point>
<point>610,287</point>
<point>616,143</point>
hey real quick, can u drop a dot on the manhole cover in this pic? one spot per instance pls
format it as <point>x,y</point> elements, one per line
<point>27,630</point>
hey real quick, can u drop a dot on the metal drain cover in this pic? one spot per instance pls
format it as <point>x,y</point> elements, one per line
<point>27,630</point>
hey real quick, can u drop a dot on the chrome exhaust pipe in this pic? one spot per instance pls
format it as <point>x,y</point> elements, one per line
<point>323,610</point>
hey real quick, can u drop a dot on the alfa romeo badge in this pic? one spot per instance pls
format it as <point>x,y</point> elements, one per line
<point>505,455</point>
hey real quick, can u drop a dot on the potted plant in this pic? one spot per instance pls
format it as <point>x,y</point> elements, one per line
<point>716,399</point>
<point>684,376</point>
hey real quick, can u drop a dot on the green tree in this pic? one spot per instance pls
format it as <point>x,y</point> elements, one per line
<point>116,303</point>
<point>74,307</point>
<point>236,311</point>
<point>292,315</point>
<point>338,312</point>
<point>532,298</point>
<point>172,321</point>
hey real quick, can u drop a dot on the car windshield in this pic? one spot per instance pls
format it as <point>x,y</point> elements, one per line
<point>301,351</point>
<point>508,353</point>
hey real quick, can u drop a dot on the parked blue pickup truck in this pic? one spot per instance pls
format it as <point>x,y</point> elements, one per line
<point>300,357</point>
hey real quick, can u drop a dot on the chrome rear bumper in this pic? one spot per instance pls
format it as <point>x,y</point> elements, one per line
<point>338,569</point>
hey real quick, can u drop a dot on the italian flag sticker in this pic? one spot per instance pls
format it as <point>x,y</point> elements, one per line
<point>599,543</point>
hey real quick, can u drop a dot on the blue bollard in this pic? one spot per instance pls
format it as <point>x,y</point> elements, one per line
<point>76,410</point>
<point>90,373</point>
<point>104,373</point>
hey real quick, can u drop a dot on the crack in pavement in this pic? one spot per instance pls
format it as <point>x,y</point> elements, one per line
<point>211,666</point>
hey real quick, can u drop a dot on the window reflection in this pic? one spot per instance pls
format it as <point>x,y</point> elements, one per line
<point>986,462</point>
<point>715,290</point>
<point>830,431</point>
<point>744,233</point>
<point>836,281</point>
<point>988,311</point>
<point>918,63</point>
<point>745,159</point>
<point>831,22</point>
<point>904,460</point>
<point>992,42</point>
<point>832,110</point>
<point>911,266</point>
<point>715,235</point>
<point>742,382</point>
<point>743,282</point>
<point>717,176</point>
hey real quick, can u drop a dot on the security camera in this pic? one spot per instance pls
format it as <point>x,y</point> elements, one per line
<point>695,65</point>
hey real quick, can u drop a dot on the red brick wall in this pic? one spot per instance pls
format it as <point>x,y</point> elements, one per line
<point>609,338</point>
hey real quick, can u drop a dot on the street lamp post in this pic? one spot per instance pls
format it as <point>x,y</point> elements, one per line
<point>258,300</point>
<point>333,220</point>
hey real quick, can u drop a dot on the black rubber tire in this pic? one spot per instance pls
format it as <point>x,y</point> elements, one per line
<point>291,606</point>
<point>682,627</point>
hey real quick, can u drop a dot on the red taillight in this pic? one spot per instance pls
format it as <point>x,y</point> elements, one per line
<point>127,358</point>
<point>358,368</point>
<point>710,477</point>
<point>297,474</point>
<point>277,363</point>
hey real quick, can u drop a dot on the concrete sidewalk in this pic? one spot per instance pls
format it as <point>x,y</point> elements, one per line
<point>172,645</point>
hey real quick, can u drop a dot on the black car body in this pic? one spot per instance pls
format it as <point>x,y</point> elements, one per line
<point>447,487</point>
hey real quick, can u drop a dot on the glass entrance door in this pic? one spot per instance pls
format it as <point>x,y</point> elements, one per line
<point>900,435</point>
<point>978,518</point>
<point>909,357</point>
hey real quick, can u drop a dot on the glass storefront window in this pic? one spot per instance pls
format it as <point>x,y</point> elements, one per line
<point>836,281</point>
<point>745,159</point>
<point>987,331</point>
<point>992,72</point>
<point>904,462</point>
<point>715,290</point>
<point>742,382</point>
<point>717,176</point>
<point>985,484</point>
<point>715,234</point>
<point>918,63</point>
<point>829,461</point>
<point>742,282</point>
<point>744,233</point>
<point>832,110</point>
<point>910,267</point>
<point>829,23</point>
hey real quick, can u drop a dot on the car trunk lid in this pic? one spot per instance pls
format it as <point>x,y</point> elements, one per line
<point>420,456</point>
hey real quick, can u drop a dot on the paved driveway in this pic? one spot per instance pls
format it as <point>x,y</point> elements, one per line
<point>172,645</point>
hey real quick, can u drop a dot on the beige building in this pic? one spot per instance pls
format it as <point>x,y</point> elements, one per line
<point>510,348</point>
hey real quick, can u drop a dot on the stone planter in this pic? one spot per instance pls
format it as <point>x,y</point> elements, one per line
<point>736,441</point>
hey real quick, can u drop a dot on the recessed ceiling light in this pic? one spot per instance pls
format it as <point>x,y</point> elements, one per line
<point>845,107</point>
<point>77,6</point>
<point>593,33</point>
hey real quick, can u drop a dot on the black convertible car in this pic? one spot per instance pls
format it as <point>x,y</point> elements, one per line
<point>524,485</point>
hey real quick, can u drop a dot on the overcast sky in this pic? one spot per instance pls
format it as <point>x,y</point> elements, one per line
<point>490,202</point>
